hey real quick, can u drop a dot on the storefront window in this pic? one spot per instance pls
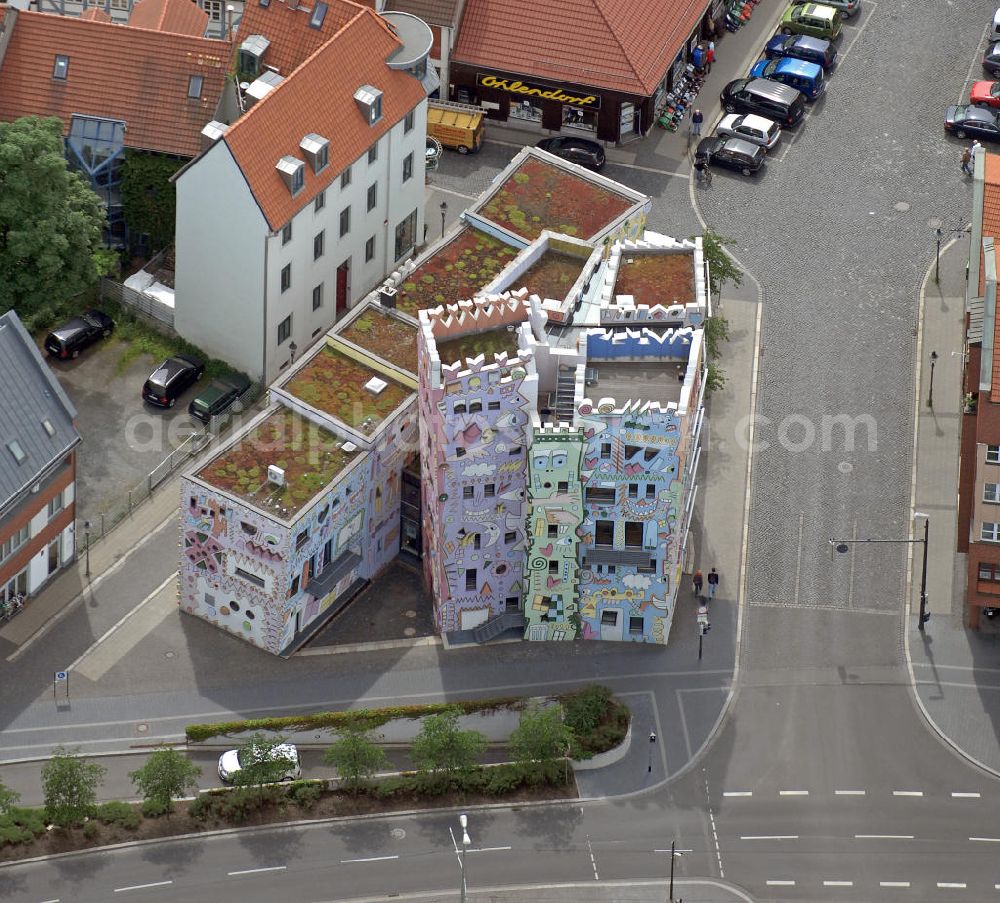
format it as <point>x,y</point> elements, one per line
<point>575,118</point>
<point>526,110</point>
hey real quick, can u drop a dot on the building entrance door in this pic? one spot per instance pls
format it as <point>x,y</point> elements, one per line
<point>343,271</point>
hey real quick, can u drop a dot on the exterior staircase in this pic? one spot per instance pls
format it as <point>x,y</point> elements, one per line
<point>508,620</point>
<point>565,390</point>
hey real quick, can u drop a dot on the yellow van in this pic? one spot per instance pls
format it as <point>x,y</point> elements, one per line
<point>456,125</point>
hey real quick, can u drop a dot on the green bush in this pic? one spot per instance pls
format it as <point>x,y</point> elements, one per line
<point>203,807</point>
<point>117,813</point>
<point>155,808</point>
<point>306,793</point>
<point>584,711</point>
<point>21,825</point>
<point>90,830</point>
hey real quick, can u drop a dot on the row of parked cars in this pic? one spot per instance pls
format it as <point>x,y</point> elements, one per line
<point>980,117</point>
<point>774,95</point>
<point>166,383</point>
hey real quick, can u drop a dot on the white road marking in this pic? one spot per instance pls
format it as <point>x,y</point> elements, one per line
<point>907,793</point>
<point>272,868</point>
<point>769,837</point>
<point>798,560</point>
<point>986,839</point>
<point>838,884</point>
<point>737,793</point>
<point>488,849</point>
<point>593,861</point>
<point>793,793</point>
<point>369,859</point>
<point>966,796</point>
<point>780,883</point>
<point>56,900</point>
<point>894,884</point>
<point>883,836</point>
<point>955,885</point>
<point>121,890</point>
<point>850,792</point>
<point>711,818</point>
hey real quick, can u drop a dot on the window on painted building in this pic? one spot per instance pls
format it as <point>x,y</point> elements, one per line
<point>345,177</point>
<point>609,618</point>
<point>552,531</point>
<point>408,167</point>
<point>647,568</point>
<point>633,490</point>
<point>194,86</point>
<point>234,606</point>
<point>408,122</point>
<point>509,537</point>
<point>553,567</point>
<point>459,407</point>
<point>600,494</point>
<point>345,221</point>
<point>650,491</point>
<point>477,541</point>
<point>286,233</point>
<point>633,534</point>
<point>55,505</point>
<point>284,329</point>
<point>649,454</point>
<point>209,600</point>
<point>301,539</point>
<point>249,529</point>
<point>61,67</point>
<point>295,587</point>
<point>605,450</point>
<point>370,249</point>
<point>318,296</point>
<point>490,490</point>
<point>286,277</point>
<point>991,492</point>
<point>990,533</point>
<point>612,569</point>
<point>516,450</point>
<point>562,486</point>
<point>635,626</point>
<point>10,545</point>
<point>989,572</point>
<point>604,533</point>
<point>493,406</point>
<point>250,578</point>
<point>632,450</point>
<point>512,603</point>
<point>372,195</point>
<point>471,576</point>
<point>467,492</point>
<point>319,241</point>
<point>373,153</point>
<point>459,452</point>
<point>475,407</point>
<point>320,202</point>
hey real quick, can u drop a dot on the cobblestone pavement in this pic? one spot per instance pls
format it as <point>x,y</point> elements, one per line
<point>839,230</point>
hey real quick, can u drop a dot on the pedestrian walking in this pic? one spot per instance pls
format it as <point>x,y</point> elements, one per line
<point>696,120</point>
<point>710,56</point>
<point>697,581</point>
<point>967,161</point>
<point>713,583</point>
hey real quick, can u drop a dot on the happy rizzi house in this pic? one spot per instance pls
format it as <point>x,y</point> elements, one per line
<point>534,439</point>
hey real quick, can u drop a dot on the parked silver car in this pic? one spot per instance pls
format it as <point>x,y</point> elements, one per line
<point>750,127</point>
<point>231,763</point>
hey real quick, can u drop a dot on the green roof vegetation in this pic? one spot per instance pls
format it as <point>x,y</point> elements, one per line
<point>384,335</point>
<point>489,343</point>
<point>552,275</point>
<point>657,277</point>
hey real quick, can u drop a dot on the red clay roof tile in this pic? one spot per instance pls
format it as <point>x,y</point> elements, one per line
<point>318,97</point>
<point>115,72</point>
<point>618,45</point>
<point>174,16</point>
<point>96,14</point>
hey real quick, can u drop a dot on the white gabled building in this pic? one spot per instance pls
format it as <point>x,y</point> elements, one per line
<point>303,205</point>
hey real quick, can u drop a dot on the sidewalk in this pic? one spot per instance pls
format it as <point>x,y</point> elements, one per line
<point>954,669</point>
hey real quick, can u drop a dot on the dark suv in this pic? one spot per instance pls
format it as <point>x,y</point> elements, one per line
<point>169,381</point>
<point>765,98</point>
<point>217,398</point>
<point>76,334</point>
<point>577,150</point>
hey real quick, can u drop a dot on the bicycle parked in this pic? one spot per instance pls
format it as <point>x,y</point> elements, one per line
<point>11,607</point>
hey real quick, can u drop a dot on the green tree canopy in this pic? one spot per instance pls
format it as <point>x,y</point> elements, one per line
<point>441,748</point>
<point>8,799</point>
<point>357,756</point>
<point>166,775</point>
<point>262,762</point>
<point>69,786</point>
<point>541,737</point>
<point>50,220</point>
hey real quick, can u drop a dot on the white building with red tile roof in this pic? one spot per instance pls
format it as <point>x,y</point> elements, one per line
<point>314,195</point>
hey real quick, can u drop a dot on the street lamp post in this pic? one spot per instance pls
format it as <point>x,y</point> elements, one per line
<point>843,545</point>
<point>444,213</point>
<point>939,234</point>
<point>652,743</point>
<point>930,392</point>
<point>86,534</point>
<point>463,820</point>
<point>673,857</point>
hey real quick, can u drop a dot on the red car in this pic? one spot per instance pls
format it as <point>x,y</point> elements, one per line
<point>985,94</point>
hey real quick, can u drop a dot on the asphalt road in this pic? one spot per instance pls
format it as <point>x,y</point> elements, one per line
<point>824,783</point>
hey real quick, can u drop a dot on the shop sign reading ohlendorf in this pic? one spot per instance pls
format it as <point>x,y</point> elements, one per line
<point>536,89</point>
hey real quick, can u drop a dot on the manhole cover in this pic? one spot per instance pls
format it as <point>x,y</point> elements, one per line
<point>142,728</point>
<point>410,613</point>
<point>902,206</point>
<point>845,467</point>
<point>169,653</point>
<point>397,833</point>
<point>409,631</point>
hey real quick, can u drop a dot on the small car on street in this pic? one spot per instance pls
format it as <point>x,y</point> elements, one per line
<point>217,398</point>
<point>171,379</point>
<point>802,47</point>
<point>985,94</point>
<point>78,333</point>
<point>847,7</point>
<point>798,74</point>
<point>749,127</point>
<point>966,121</point>
<point>733,153</point>
<point>764,97</point>
<point>577,150</point>
<point>815,19</point>
<point>231,763</point>
<point>991,59</point>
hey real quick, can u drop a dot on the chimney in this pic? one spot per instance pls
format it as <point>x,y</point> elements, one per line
<point>387,296</point>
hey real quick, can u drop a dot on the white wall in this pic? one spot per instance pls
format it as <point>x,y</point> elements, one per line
<point>220,239</point>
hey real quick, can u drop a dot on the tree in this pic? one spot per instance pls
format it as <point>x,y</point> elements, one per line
<point>8,799</point>
<point>166,775</point>
<point>261,762</point>
<point>721,268</point>
<point>357,756</point>
<point>51,222</point>
<point>69,787</point>
<point>442,749</point>
<point>541,738</point>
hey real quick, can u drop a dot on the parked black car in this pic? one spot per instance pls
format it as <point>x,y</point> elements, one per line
<point>577,150</point>
<point>764,97</point>
<point>978,122</point>
<point>734,153</point>
<point>169,381</point>
<point>991,59</point>
<point>76,334</point>
<point>217,397</point>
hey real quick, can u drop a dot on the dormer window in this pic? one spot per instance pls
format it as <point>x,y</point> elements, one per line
<point>369,101</point>
<point>293,171</point>
<point>318,15</point>
<point>252,53</point>
<point>61,68</point>
<point>317,151</point>
<point>194,86</point>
